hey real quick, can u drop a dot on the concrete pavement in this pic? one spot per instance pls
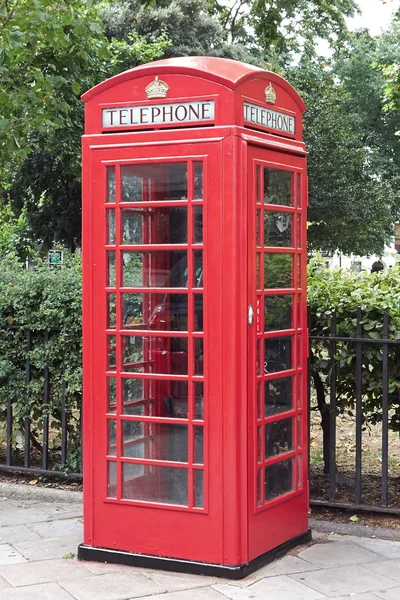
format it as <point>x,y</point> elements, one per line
<point>40,532</point>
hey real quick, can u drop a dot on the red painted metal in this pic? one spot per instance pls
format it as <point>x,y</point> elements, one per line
<point>164,476</point>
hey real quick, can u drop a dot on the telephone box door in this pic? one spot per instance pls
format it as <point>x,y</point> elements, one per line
<point>277,349</point>
<point>153,424</point>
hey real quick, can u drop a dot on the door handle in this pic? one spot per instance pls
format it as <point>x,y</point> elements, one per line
<point>250,315</point>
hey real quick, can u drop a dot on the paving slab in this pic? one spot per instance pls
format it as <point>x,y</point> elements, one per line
<point>44,549</point>
<point>284,566</point>
<point>47,591</point>
<point>10,556</point>
<point>3,585</point>
<point>393,594</point>
<point>342,581</point>
<point>114,586</point>
<point>17,533</point>
<point>368,596</point>
<point>389,568</point>
<point>199,594</point>
<point>273,588</point>
<point>384,548</point>
<point>62,510</point>
<point>173,582</point>
<point>65,527</point>
<point>43,571</point>
<point>11,514</point>
<point>337,554</point>
<point>104,568</point>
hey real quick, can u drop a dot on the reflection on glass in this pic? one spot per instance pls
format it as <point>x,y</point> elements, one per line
<point>300,471</point>
<point>258,228</point>
<point>298,231</point>
<point>298,176</point>
<point>198,312</point>
<point>132,392</point>
<point>279,479</point>
<point>154,269</point>
<point>131,432</point>
<point>112,395</point>
<point>277,229</point>
<point>198,268</point>
<point>132,471</point>
<point>277,312</point>
<point>299,431</point>
<point>163,485</point>
<point>259,487</point>
<point>258,271</point>
<point>198,224</point>
<point>259,445</point>
<point>278,271</point>
<point>175,399</point>
<point>198,445</point>
<point>198,180</point>
<point>259,401</point>
<point>111,268</point>
<point>198,356</point>
<point>278,396</point>
<point>258,195</point>
<point>112,315</point>
<point>164,312</point>
<point>198,481</point>
<point>111,226</point>
<point>155,354</point>
<point>277,187</point>
<point>150,183</point>
<point>199,400</point>
<point>133,226</point>
<point>278,354</point>
<point>278,437</point>
<point>112,353</point>
<point>112,437</point>
<point>110,184</point>
<point>259,357</point>
<point>112,479</point>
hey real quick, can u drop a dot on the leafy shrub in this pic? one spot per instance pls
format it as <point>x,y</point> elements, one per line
<point>341,291</point>
<point>41,299</point>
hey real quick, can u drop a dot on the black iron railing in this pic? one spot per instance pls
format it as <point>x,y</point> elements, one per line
<point>38,442</point>
<point>324,397</point>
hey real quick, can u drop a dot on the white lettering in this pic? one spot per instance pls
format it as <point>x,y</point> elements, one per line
<point>158,114</point>
<point>266,117</point>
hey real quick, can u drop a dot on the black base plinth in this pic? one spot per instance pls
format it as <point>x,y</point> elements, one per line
<point>186,566</point>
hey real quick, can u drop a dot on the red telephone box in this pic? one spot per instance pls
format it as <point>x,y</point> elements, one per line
<point>195,339</point>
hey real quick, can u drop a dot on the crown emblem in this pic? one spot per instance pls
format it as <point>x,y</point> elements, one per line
<point>157,89</point>
<point>270,95</point>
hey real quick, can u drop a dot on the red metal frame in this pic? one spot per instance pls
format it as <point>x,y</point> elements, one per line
<point>234,524</point>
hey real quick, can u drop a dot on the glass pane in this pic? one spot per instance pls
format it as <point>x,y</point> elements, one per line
<point>278,354</point>
<point>154,269</point>
<point>111,226</point>
<point>155,354</point>
<point>279,479</point>
<point>112,395</point>
<point>278,187</point>
<point>112,315</point>
<point>164,312</point>
<point>298,176</point>
<point>298,274</point>
<point>278,271</point>
<point>198,488</point>
<point>198,445</point>
<point>258,271</point>
<point>163,485</point>
<point>300,471</point>
<point>198,312</point>
<point>259,401</point>
<point>259,357</point>
<point>278,437</point>
<point>258,195</point>
<point>132,391</point>
<point>298,231</point>
<point>172,397</point>
<point>149,183</point>
<point>198,269</point>
<point>199,400</point>
<point>133,227</point>
<point>198,224</point>
<point>277,312</point>
<point>299,351</point>
<point>278,396</point>
<point>111,353</point>
<point>131,432</point>
<point>112,437</point>
<point>259,445</point>
<point>300,399</point>
<point>198,356</point>
<point>259,487</point>
<point>111,268</point>
<point>110,184</point>
<point>299,431</point>
<point>258,228</point>
<point>112,479</point>
<point>198,180</point>
<point>277,229</point>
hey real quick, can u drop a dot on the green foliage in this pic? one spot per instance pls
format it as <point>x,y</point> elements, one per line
<point>341,291</point>
<point>41,298</point>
